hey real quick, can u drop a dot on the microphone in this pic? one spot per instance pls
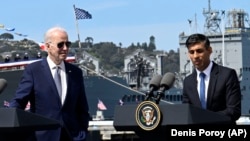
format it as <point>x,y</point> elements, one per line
<point>3,85</point>
<point>166,83</point>
<point>154,85</point>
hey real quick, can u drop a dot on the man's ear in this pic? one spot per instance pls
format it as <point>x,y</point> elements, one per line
<point>47,45</point>
<point>210,49</point>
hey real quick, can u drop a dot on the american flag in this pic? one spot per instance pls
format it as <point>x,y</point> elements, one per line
<point>101,105</point>
<point>121,102</point>
<point>6,103</point>
<point>82,14</point>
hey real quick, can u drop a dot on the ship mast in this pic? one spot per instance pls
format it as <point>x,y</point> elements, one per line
<point>212,23</point>
<point>212,27</point>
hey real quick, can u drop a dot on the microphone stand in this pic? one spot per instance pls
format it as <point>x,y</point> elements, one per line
<point>148,96</point>
<point>159,95</point>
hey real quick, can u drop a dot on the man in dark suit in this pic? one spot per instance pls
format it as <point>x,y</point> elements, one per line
<point>222,88</point>
<point>68,104</point>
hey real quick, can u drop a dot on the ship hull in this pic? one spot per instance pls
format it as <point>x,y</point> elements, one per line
<point>109,90</point>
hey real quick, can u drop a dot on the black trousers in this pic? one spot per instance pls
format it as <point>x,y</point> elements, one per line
<point>65,136</point>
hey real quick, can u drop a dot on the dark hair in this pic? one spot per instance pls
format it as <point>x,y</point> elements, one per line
<point>197,38</point>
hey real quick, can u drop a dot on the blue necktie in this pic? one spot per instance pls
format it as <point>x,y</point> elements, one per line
<point>202,90</point>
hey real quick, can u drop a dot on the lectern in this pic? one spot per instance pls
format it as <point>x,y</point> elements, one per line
<point>125,119</point>
<point>17,124</point>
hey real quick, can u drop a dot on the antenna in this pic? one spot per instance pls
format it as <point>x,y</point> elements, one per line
<point>212,24</point>
<point>195,19</point>
<point>190,25</point>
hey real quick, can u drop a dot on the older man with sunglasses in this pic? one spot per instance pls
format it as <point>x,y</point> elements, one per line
<point>62,99</point>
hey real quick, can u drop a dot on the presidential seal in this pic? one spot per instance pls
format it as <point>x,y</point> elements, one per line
<point>148,115</point>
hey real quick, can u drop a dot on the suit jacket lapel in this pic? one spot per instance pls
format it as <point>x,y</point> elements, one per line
<point>194,89</point>
<point>48,75</point>
<point>212,84</point>
<point>68,77</point>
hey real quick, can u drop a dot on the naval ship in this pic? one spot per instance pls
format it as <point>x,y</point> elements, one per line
<point>231,46</point>
<point>111,90</point>
<point>128,88</point>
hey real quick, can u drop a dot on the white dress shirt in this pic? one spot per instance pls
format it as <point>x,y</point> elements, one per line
<point>52,65</point>
<point>207,71</point>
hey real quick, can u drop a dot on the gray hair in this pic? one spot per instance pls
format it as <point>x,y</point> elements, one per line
<point>48,34</point>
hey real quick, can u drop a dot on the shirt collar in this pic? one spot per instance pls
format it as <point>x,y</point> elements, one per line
<point>207,71</point>
<point>52,65</point>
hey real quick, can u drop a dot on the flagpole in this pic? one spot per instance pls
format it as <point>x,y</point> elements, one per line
<point>77,29</point>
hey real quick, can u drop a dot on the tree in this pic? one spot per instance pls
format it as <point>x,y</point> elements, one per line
<point>144,46</point>
<point>89,41</point>
<point>120,44</point>
<point>6,36</point>
<point>151,46</point>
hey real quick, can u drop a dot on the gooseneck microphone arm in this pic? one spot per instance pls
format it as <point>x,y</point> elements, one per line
<point>159,95</point>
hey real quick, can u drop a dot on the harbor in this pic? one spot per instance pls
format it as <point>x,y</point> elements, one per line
<point>229,33</point>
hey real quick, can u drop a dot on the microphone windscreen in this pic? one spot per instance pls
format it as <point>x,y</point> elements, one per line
<point>155,81</point>
<point>3,85</point>
<point>168,80</point>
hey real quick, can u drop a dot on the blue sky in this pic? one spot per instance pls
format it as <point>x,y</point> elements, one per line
<point>125,21</point>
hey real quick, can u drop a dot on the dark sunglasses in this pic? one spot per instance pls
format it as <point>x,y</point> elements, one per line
<point>61,44</point>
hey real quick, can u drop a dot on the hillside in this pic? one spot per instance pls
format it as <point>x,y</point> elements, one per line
<point>110,55</point>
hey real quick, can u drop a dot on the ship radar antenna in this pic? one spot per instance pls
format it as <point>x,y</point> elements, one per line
<point>237,18</point>
<point>212,23</point>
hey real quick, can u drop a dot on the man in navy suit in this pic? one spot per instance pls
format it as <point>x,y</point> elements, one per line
<point>222,88</point>
<point>69,104</point>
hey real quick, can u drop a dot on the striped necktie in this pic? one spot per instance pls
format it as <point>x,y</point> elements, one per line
<point>202,90</point>
<point>57,78</point>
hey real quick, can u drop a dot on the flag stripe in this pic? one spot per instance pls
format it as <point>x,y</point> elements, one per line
<point>82,14</point>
